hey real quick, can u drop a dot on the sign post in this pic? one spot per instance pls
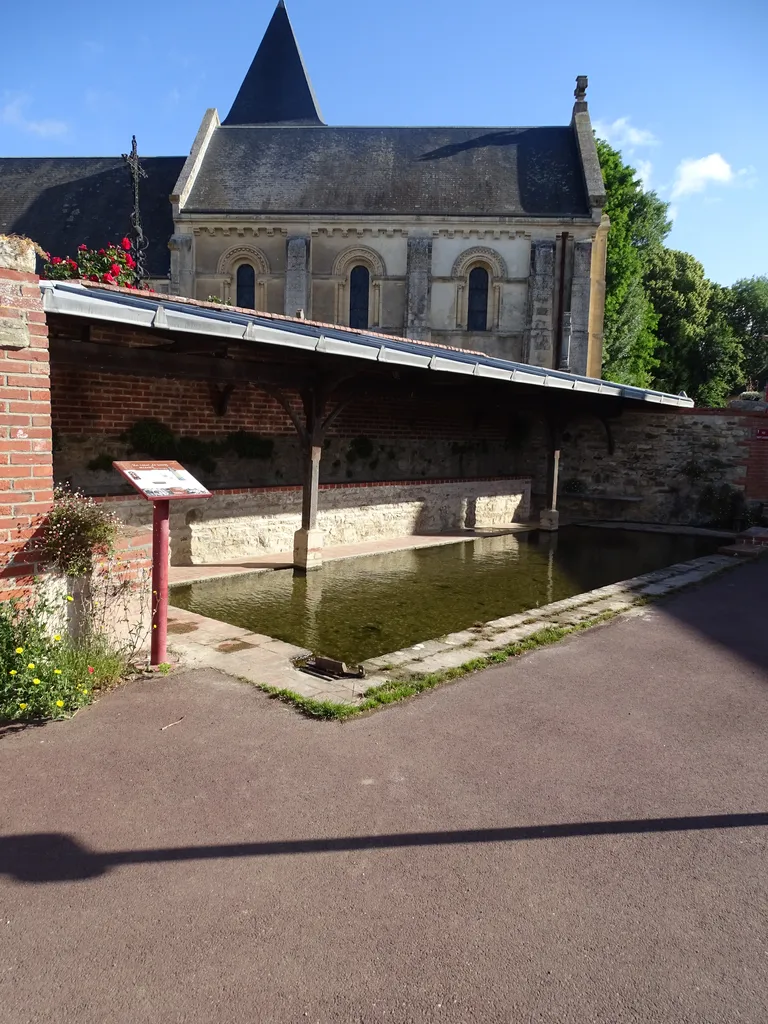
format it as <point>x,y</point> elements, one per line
<point>160,483</point>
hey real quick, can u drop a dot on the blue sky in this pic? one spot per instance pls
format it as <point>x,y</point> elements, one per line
<point>680,86</point>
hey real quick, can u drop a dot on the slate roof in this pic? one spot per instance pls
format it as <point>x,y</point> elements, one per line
<point>277,89</point>
<point>440,171</point>
<point>62,201</point>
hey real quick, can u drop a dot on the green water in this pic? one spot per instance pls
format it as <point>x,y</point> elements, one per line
<point>359,608</point>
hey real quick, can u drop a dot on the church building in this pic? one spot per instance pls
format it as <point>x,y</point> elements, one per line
<point>486,238</point>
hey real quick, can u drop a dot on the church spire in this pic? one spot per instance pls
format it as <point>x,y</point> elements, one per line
<point>277,89</point>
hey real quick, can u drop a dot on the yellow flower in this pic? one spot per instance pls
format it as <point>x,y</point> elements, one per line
<point>57,671</point>
<point>36,682</point>
<point>84,690</point>
<point>22,706</point>
<point>31,664</point>
<point>59,704</point>
<point>13,672</point>
<point>57,637</point>
<point>19,650</point>
<point>70,598</point>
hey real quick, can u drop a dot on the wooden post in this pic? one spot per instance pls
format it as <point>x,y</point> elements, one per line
<point>550,517</point>
<point>311,487</point>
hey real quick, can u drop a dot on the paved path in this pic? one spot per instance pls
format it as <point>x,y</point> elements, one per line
<point>247,865</point>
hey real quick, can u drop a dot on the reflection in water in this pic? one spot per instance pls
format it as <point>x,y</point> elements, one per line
<point>358,608</point>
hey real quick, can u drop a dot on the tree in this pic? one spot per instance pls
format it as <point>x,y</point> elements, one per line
<point>746,309</point>
<point>639,226</point>
<point>698,353</point>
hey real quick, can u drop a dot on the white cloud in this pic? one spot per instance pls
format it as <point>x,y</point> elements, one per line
<point>693,176</point>
<point>12,113</point>
<point>644,171</point>
<point>625,135</point>
<point>673,211</point>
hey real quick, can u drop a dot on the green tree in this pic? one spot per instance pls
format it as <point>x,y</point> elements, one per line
<point>747,314</point>
<point>639,226</point>
<point>699,352</point>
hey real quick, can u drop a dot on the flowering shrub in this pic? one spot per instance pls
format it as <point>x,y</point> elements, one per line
<point>113,265</point>
<point>44,674</point>
<point>75,530</point>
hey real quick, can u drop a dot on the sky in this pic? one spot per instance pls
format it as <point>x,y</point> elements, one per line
<point>679,86</point>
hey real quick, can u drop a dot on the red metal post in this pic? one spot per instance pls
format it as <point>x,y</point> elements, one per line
<point>160,541</point>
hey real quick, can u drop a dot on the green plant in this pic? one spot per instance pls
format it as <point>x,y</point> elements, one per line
<point>359,448</point>
<point>215,298</point>
<point>151,437</point>
<point>45,674</point>
<point>751,396</point>
<point>102,462</point>
<point>75,530</point>
<point>723,507</point>
<point>250,446</point>
<point>574,485</point>
<point>164,668</point>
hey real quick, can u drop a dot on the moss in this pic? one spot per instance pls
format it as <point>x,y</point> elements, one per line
<point>359,448</point>
<point>102,463</point>
<point>249,446</point>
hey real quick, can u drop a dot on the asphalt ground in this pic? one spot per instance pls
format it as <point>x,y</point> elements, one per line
<point>576,836</point>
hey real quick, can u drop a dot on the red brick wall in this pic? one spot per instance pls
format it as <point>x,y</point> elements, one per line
<point>756,478</point>
<point>26,473</point>
<point>97,403</point>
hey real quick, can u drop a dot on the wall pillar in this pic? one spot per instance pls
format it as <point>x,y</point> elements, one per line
<point>418,289</point>
<point>308,541</point>
<point>581,287</point>
<point>550,517</point>
<point>539,335</point>
<point>182,265</point>
<point>297,276</point>
<point>26,467</point>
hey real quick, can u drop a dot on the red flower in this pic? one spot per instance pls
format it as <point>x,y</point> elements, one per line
<point>91,670</point>
<point>115,269</point>
<point>83,248</point>
<point>126,243</point>
<point>130,261</point>
<point>93,277</point>
<point>72,263</point>
<point>108,279</point>
<point>102,252</point>
<point>55,261</point>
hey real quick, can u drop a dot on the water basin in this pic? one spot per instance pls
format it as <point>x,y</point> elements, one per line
<point>359,608</point>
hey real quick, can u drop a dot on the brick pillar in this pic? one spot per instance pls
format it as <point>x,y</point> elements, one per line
<point>26,467</point>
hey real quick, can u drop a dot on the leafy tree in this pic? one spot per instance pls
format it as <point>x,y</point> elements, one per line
<point>746,309</point>
<point>699,352</point>
<point>639,226</point>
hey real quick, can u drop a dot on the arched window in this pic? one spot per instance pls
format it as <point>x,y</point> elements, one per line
<point>359,297</point>
<point>477,305</point>
<point>246,286</point>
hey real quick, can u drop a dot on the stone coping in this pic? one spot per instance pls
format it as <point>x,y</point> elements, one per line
<point>346,485</point>
<point>262,660</point>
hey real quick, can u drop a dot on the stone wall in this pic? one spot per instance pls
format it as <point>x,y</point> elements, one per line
<point>248,523</point>
<point>664,466</point>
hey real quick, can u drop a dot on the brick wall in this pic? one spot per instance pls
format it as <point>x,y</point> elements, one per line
<point>26,478</point>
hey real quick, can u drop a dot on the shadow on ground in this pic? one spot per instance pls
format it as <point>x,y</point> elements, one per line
<point>55,857</point>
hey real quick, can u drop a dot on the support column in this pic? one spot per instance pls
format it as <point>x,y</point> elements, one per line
<point>182,265</point>
<point>297,277</point>
<point>539,347</point>
<point>550,517</point>
<point>418,289</point>
<point>580,300</point>
<point>308,541</point>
